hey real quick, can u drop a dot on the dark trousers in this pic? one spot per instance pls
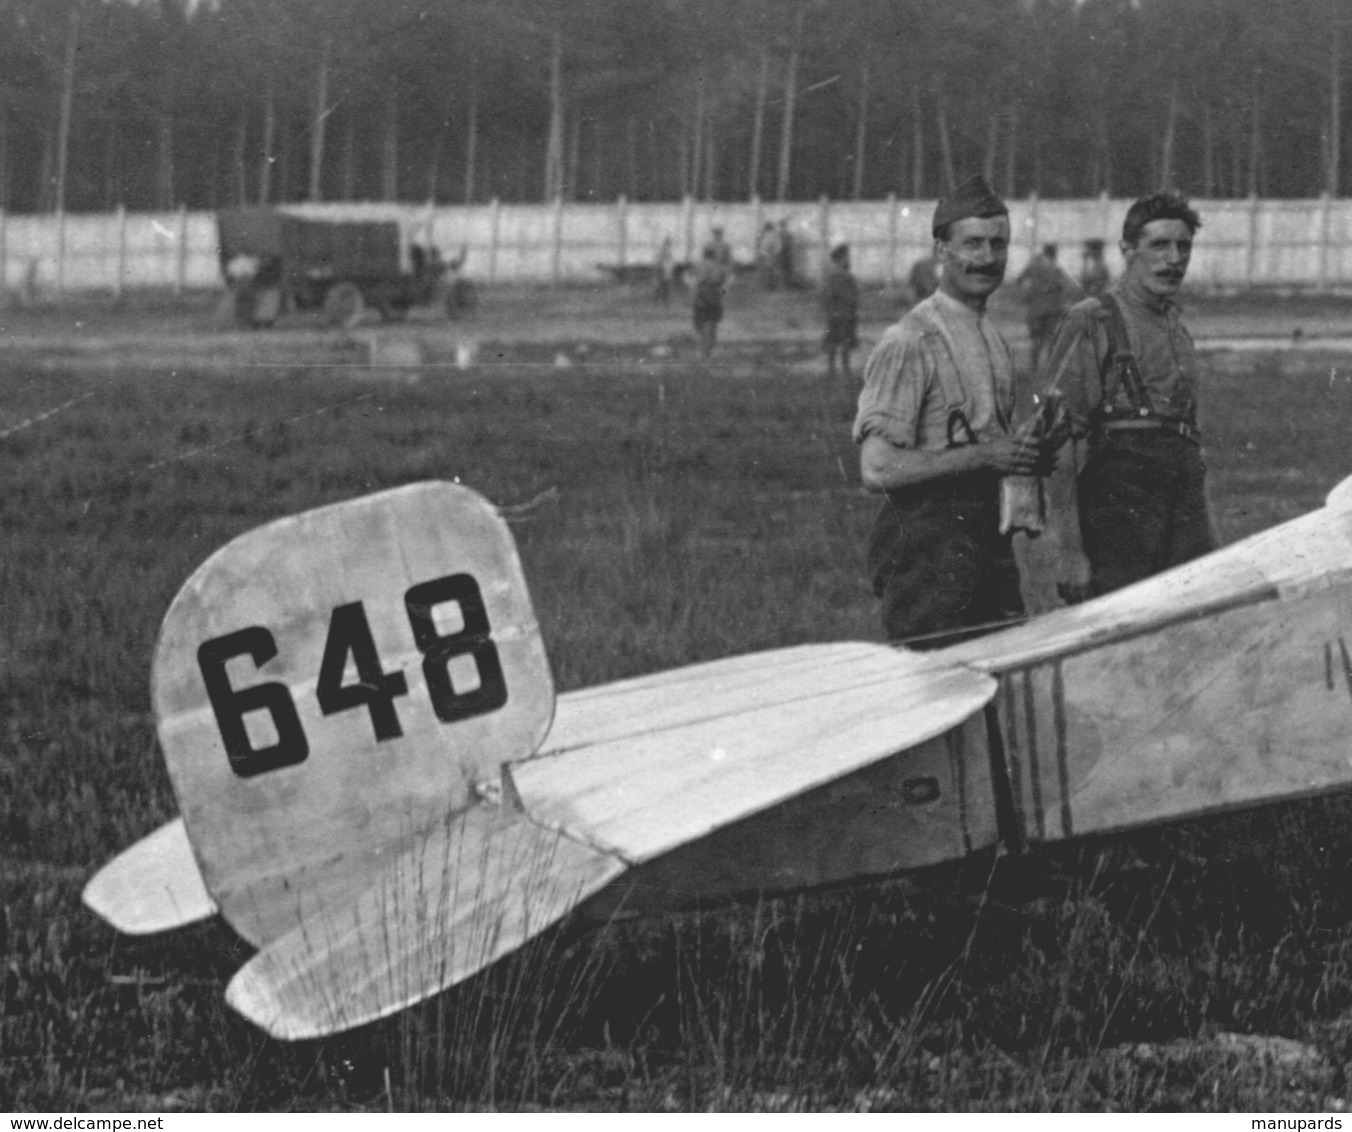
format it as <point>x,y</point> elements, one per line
<point>1142,506</point>
<point>939,563</point>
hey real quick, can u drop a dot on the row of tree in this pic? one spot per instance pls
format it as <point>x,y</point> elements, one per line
<point>209,103</point>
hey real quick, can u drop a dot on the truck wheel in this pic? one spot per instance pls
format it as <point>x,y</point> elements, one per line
<point>257,307</point>
<point>461,298</point>
<point>343,305</point>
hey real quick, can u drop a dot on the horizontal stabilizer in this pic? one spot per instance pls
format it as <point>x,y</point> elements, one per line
<point>642,766</point>
<point>153,886</point>
<point>474,889</point>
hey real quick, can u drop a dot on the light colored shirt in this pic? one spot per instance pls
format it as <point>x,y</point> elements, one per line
<point>1157,337</point>
<point>941,356</point>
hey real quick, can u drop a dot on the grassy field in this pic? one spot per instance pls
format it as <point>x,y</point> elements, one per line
<point>679,513</point>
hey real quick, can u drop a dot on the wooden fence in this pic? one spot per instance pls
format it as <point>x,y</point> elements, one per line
<point>1245,243</point>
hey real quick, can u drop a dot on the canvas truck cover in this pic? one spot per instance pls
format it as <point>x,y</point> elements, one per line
<point>311,248</point>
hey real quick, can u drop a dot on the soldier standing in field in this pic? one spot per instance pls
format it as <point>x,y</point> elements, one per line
<point>1094,273</point>
<point>1048,291</point>
<point>840,305</point>
<point>934,430</point>
<point>1129,498</point>
<point>711,281</point>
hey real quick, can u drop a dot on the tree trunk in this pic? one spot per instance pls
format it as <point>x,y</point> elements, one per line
<point>67,109</point>
<point>945,142</point>
<point>238,173</point>
<point>164,178</point>
<point>1166,177</point>
<point>571,154</point>
<point>110,150</point>
<point>269,139</point>
<point>917,146</point>
<point>1012,153</point>
<point>389,163</point>
<point>4,160</point>
<point>710,158</point>
<point>758,125</point>
<point>598,161</point>
<point>1255,145</point>
<point>1335,108</point>
<point>349,189</point>
<point>631,157</point>
<point>790,100</point>
<point>1106,151</point>
<point>697,136</point>
<point>992,141</point>
<point>554,144</point>
<point>861,132</point>
<point>472,133</point>
<point>320,121</point>
<point>1208,154</point>
<point>284,150</point>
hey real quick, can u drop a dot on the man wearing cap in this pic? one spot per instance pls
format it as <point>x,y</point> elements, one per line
<point>1129,498</point>
<point>840,305</point>
<point>934,430</point>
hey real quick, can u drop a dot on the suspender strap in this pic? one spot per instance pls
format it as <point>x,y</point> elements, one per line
<point>1121,364</point>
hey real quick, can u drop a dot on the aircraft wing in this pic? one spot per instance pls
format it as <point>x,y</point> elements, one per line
<point>153,886</point>
<point>640,767</point>
<point>612,786</point>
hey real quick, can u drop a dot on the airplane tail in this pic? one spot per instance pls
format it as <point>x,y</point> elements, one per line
<point>353,705</point>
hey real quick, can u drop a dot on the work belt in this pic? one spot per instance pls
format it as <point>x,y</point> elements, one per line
<point>1179,428</point>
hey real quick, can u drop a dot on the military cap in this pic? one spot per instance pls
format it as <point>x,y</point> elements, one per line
<point>974,197</point>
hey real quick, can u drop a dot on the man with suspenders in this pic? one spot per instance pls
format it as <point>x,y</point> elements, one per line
<point>935,436</point>
<point>1130,498</point>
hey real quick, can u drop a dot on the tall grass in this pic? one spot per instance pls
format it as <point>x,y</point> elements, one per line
<point>696,514</point>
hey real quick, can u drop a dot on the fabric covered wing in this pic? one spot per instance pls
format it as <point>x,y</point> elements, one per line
<point>153,886</point>
<point>640,767</point>
<point>470,892</point>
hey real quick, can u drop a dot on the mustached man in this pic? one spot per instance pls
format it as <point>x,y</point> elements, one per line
<point>934,429</point>
<point>1131,488</point>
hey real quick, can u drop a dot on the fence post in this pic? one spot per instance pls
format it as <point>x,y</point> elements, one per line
<point>430,224</point>
<point>557,252</point>
<point>4,253</point>
<point>893,224</point>
<point>1251,256</point>
<point>496,208</point>
<point>622,222</point>
<point>688,211</point>
<point>1107,206</point>
<point>1032,224</point>
<point>757,221</point>
<point>181,268</point>
<point>1324,241</point>
<point>61,253</point>
<point>121,264</point>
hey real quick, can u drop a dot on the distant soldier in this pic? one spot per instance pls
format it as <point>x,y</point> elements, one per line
<point>666,268</point>
<point>1094,273</point>
<point>1048,292</point>
<point>720,247</point>
<point>840,305</point>
<point>924,278</point>
<point>711,281</point>
<point>1130,500</point>
<point>767,257</point>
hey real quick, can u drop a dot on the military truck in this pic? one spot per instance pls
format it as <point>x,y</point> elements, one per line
<point>274,261</point>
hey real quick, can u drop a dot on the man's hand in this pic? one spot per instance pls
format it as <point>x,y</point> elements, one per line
<point>1072,577</point>
<point>1010,456</point>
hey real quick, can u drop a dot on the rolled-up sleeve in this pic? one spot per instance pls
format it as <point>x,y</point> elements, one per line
<point>896,380</point>
<point>1073,369</point>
